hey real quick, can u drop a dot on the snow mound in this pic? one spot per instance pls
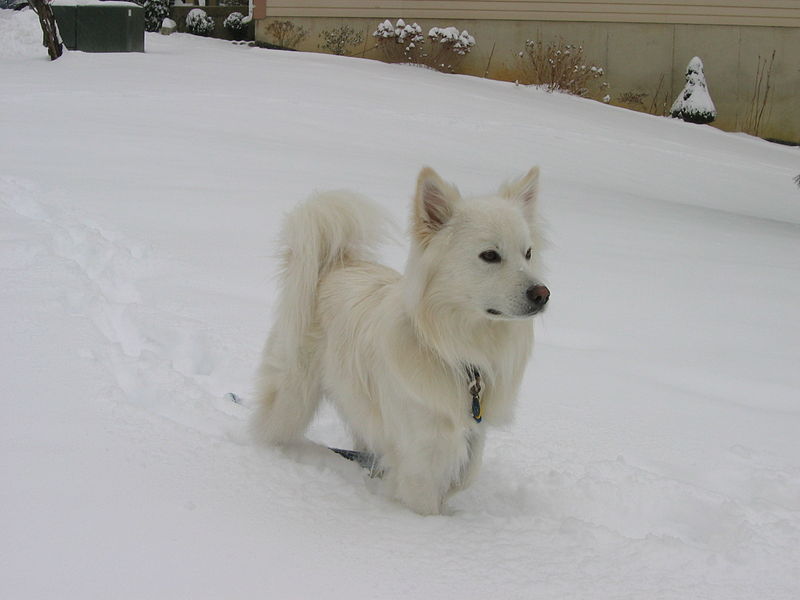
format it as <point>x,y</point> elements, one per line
<point>21,34</point>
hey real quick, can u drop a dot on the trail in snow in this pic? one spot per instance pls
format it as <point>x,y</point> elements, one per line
<point>159,360</point>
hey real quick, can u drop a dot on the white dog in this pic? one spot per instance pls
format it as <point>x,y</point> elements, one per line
<point>417,364</point>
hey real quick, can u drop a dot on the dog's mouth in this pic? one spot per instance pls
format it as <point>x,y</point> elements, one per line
<point>535,310</point>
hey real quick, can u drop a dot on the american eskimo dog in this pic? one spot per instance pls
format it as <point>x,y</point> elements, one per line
<point>417,363</point>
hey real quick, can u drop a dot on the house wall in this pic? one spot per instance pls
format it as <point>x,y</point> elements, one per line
<point>775,13</point>
<point>643,47</point>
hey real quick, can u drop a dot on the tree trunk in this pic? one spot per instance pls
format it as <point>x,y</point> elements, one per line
<point>50,36</point>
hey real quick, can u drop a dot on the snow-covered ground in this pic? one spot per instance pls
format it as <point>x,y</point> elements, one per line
<point>656,453</point>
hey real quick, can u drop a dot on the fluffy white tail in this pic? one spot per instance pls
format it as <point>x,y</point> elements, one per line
<point>330,229</point>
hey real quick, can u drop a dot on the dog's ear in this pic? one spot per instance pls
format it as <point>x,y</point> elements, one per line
<point>433,204</point>
<point>524,191</point>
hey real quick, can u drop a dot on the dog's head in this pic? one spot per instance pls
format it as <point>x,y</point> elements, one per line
<point>479,254</point>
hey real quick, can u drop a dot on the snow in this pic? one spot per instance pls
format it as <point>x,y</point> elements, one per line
<point>655,452</point>
<point>21,33</point>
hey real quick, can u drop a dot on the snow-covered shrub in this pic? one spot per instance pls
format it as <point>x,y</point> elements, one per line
<point>286,34</point>
<point>448,47</point>
<point>797,180</point>
<point>340,40</point>
<point>198,22</point>
<point>460,42</point>
<point>694,103</point>
<point>558,66</point>
<point>236,23</point>
<point>155,11</point>
<point>399,42</point>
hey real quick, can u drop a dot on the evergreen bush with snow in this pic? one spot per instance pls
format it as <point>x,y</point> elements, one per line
<point>198,22</point>
<point>399,42</point>
<point>694,103</point>
<point>155,11</point>
<point>236,23</point>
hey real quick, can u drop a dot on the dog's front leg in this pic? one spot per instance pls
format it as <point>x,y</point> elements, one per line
<point>474,440</point>
<point>426,469</point>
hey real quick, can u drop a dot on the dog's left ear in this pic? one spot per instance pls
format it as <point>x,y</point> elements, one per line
<point>524,191</point>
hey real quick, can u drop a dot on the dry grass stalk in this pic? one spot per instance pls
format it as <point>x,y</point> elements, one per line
<point>761,89</point>
<point>655,108</point>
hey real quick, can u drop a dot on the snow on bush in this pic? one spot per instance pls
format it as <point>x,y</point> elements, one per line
<point>448,47</point>
<point>385,30</point>
<point>459,42</point>
<point>694,103</point>
<point>403,42</point>
<point>198,22</point>
<point>236,23</point>
<point>399,42</point>
<point>155,11</point>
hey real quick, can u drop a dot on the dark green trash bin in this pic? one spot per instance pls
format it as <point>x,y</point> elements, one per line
<point>97,26</point>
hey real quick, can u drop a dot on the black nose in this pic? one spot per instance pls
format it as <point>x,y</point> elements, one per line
<point>539,295</point>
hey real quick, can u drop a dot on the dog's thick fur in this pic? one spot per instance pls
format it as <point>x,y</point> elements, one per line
<point>391,350</point>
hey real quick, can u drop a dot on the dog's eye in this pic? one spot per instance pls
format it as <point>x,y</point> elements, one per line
<point>528,254</point>
<point>490,256</point>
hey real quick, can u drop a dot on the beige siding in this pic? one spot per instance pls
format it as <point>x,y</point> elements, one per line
<point>774,13</point>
